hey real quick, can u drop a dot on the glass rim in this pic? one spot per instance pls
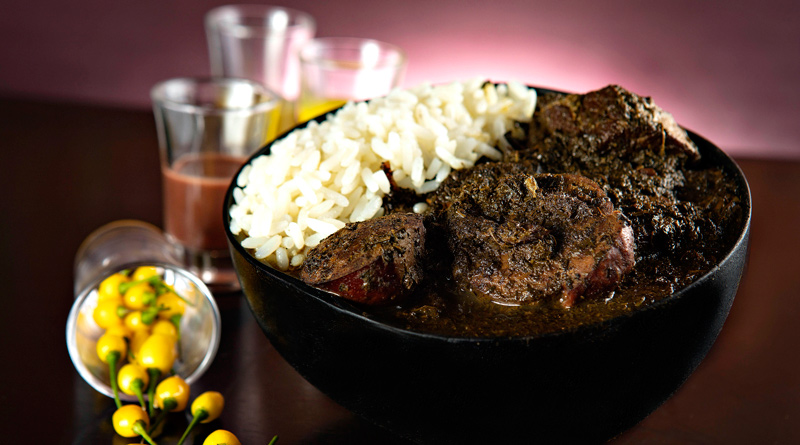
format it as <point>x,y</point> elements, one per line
<point>309,53</point>
<point>108,227</point>
<point>161,99</point>
<point>228,18</point>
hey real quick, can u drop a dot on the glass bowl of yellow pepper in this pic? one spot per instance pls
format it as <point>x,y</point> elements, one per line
<point>121,308</point>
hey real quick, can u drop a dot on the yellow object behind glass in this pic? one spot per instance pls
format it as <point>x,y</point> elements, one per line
<point>311,107</point>
<point>275,125</point>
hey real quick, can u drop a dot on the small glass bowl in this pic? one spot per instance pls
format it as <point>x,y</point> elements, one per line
<point>200,328</point>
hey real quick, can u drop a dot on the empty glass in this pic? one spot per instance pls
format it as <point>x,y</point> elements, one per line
<point>260,43</point>
<point>334,70</point>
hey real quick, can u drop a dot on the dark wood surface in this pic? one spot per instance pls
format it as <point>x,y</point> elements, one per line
<point>68,169</point>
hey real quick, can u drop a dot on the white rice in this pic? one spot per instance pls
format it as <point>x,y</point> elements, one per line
<point>318,178</point>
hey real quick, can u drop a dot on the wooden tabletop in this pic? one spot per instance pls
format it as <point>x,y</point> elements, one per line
<point>68,169</point>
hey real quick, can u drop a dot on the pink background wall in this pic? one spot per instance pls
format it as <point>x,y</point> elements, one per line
<point>728,70</point>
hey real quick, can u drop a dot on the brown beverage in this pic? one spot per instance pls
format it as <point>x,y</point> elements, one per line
<point>194,190</point>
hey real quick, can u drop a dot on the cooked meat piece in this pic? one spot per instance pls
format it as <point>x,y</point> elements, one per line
<point>602,126</point>
<point>521,238</point>
<point>634,150</point>
<point>374,262</point>
<point>615,120</point>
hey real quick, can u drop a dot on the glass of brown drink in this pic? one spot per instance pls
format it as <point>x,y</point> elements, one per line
<point>207,127</point>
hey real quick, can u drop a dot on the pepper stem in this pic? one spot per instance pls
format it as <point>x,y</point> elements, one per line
<point>273,441</point>
<point>199,416</point>
<point>139,428</point>
<point>138,386</point>
<point>154,374</point>
<point>112,358</point>
<point>169,404</point>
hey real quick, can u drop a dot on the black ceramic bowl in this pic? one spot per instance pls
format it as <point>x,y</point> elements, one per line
<point>585,385</point>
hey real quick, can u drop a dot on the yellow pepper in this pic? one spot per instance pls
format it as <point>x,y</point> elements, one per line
<point>210,403</point>
<point>105,314</point>
<point>144,272</point>
<point>139,296</point>
<point>172,304</point>
<point>172,394</point>
<point>158,352</point>
<point>109,287</point>
<point>112,349</point>
<point>131,421</point>
<point>165,327</point>
<point>205,408</point>
<point>133,320</point>
<point>133,380</point>
<point>120,330</point>
<point>137,340</point>
<point>108,343</point>
<point>221,437</point>
<point>157,355</point>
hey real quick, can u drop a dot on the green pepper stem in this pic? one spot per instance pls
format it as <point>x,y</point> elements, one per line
<point>123,287</point>
<point>158,284</point>
<point>149,315</point>
<point>161,288</point>
<point>137,386</point>
<point>176,321</point>
<point>154,374</point>
<point>122,311</point>
<point>149,298</point>
<point>273,441</point>
<point>112,358</point>
<point>169,404</point>
<point>199,416</point>
<point>140,429</point>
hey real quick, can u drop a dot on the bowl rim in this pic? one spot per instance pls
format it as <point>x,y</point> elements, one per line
<point>72,328</point>
<point>342,306</point>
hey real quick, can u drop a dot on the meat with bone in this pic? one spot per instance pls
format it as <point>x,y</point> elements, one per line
<point>521,238</point>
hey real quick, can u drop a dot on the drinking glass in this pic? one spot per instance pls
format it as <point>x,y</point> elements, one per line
<point>334,70</point>
<point>260,43</point>
<point>207,127</point>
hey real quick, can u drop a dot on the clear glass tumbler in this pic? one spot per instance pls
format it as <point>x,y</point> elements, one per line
<point>334,70</point>
<point>260,43</point>
<point>207,127</point>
